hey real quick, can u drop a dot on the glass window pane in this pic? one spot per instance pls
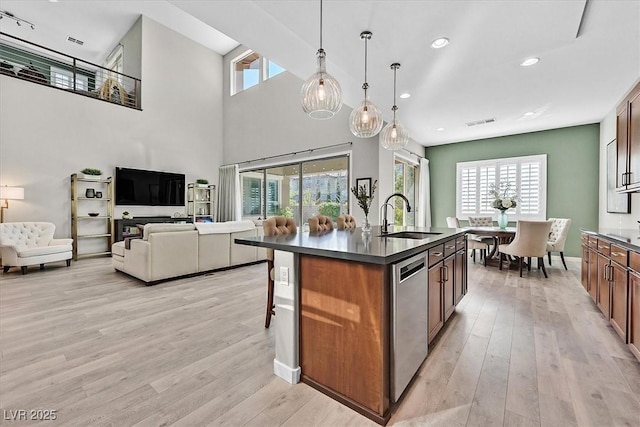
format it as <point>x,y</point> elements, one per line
<point>274,69</point>
<point>325,188</point>
<point>246,72</point>
<point>282,191</point>
<point>252,195</point>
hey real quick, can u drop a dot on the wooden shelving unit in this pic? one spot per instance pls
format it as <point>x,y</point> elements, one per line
<point>201,202</point>
<point>85,227</point>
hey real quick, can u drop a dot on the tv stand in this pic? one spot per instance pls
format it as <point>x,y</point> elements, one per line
<point>129,227</point>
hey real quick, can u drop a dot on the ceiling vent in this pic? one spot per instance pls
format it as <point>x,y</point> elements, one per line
<point>74,40</point>
<point>481,122</point>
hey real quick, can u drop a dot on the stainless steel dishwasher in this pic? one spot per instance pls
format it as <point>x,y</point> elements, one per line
<point>409,321</point>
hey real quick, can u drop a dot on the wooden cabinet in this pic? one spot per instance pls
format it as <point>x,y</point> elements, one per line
<point>448,279</point>
<point>436,316</point>
<point>619,298</point>
<point>593,274</point>
<point>628,142</point>
<point>602,293</point>
<point>585,267</point>
<point>460,273</point>
<point>634,313</point>
<point>201,202</point>
<point>91,216</point>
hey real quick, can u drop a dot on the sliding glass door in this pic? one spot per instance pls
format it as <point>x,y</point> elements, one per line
<point>299,190</point>
<point>406,175</point>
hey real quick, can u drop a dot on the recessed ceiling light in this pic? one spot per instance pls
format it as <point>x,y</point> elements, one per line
<point>529,61</point>
<point>439,42</point>
<point>529,113</point>
<point>405,95</point>
<point>440,129</point>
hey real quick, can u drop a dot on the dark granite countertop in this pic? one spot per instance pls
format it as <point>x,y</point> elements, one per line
<point>628,238</point>
<point>354,245</point>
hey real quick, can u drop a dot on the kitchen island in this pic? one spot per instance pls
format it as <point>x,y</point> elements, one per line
<point>355,312</point>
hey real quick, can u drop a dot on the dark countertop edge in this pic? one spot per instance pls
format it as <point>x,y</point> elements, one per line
<point>618,240</point>
<point>370,259</point>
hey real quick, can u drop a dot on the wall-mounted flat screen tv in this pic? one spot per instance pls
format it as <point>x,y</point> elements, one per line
<point>149,188</point>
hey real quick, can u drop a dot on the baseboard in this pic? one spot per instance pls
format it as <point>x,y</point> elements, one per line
<point>292,376</point>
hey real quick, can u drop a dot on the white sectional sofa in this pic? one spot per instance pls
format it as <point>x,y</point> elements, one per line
<point>166,251</point>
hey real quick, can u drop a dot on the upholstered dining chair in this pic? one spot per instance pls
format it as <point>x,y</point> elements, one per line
<point>480,221</point>
<point>557,237</point>
<point>274,226</point>
<point>529,242</point>
<point>320,223</point>
<point>346,222</point>
<point>482,243</point>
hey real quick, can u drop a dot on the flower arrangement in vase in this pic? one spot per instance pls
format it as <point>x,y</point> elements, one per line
<point>504,198</point>
<point>365,198</point>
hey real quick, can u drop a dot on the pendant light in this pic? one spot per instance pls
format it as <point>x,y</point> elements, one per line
<point>366,119</point>
<point>394,136</point>
<point>321,94</point>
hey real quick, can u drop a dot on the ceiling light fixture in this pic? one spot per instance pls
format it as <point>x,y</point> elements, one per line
<point>321,94</point>
<point>366,119</point>
<point>529,113</point>
<point>440,129</point>
<point>394,136</point>
<point>529,62</point>
<point>19,21</point>
<point>439,42</point>
<point>405,95</point>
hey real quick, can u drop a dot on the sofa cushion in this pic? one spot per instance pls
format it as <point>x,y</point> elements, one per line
<point>24,252</point>
<point>164,228</point>
<point>118,249</point>
<point>26,234</point>
<point>224,227</point>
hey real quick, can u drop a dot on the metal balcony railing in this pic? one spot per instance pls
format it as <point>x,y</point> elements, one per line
<point>29,61</point>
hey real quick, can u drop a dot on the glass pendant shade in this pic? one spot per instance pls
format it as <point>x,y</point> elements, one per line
<point>365,120</point>
<point>394,136</point>
<point>321,94</point>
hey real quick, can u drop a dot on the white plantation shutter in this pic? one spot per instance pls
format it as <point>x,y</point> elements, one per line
<point>526,177</point>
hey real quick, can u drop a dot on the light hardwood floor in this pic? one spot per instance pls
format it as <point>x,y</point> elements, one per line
<point>103,349</point>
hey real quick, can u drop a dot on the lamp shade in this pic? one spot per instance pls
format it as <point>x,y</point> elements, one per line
<point>321,94</point>
<point>365,120</point>
<point>11,193</point>
<point>394,136</point>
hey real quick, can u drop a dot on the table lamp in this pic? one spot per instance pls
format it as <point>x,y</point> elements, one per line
<point>6,194</point>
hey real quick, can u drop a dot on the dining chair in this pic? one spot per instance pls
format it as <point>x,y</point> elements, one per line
<point>320,223</point>
<point>529,242</point>
<point>558,237</point>
<point>346,222</point>
<point>472,243</point>
<point>274,226</point>
<point>480,221</point>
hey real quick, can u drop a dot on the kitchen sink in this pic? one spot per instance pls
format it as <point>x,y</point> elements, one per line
<point>410,234</point>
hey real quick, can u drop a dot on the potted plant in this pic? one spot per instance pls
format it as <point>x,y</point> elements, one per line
<point>202,182</point>
<point>126,215</point>
<point>92,173</point>
<point>365,198</point>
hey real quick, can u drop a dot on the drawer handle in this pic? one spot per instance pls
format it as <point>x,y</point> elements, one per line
<point>617,254</point>
<point>603,247</point>
<point>450,246</point>
<point>436,254</point>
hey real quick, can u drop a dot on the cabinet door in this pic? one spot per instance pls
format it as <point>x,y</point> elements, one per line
<point>602,294</point>
<point>619,300</point>
<point>448,287</point>
<point>585,267</point>
<point>593,274</point>
<point>459,276</point>
<point>622,132</point>
<point>436,320</point>
<point>633,180</point>
<point>634,313</point>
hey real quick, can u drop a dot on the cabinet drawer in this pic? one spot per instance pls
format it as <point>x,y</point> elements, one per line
<point>593,242</point>
<point>619,255</point>
<point>460,241</point>
<point>585,238</point>
<point>436,254</point>
<point>449,247</point>
<point>604,247</point>
<point>634,261</point>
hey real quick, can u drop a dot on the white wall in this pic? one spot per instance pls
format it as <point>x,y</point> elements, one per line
<point>268,120</point>
<point>612,220</point>
<point>132,50</point>
<point>48,134</point>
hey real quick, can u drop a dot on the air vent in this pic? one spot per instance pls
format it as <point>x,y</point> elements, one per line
<point>481,122</point>
<point>74,40</point>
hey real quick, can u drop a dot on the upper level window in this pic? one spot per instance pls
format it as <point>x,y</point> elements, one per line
<point>249,69</point>
<point>526,177</point>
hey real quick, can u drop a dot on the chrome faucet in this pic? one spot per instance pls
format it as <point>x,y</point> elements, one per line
<point>383,210</point>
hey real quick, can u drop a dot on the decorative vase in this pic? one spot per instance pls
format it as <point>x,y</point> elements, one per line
<point>366,227</point>
<point>90,193</point>
<point>502,219</point>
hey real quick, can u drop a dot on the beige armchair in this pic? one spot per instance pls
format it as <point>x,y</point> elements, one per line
<point>530,242</point>
<point>274,226</point>
<point>346,222</point>
<point>557,237</point>
<point>30,243</point>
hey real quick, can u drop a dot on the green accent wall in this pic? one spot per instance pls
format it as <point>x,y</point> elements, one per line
<point>572,173</point>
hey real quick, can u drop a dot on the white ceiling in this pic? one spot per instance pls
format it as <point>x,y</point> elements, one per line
<point>478,76</point>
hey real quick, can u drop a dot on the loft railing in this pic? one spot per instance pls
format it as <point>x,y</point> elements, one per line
<point>29,61</point>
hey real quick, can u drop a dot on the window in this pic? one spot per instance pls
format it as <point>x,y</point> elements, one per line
<point>406,174</point>
<point>527,176</point>
<point>249,69</point>
<point>64,79</point>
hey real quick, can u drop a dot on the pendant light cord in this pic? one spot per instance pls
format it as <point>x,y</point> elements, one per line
<point>395,106</point>
<point>320,24</point>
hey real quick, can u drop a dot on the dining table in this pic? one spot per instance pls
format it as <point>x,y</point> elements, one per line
<point>499,235</point>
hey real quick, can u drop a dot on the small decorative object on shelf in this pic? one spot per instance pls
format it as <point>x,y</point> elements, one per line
<point>91,173</point>
<point>90,193</point>
<point>365,192</point>
<point>202,182</point>
<point>98,194</point>
<point>94,213</point>
<point>126,215</point>
<point>504,198</point>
